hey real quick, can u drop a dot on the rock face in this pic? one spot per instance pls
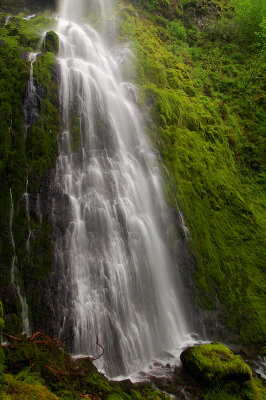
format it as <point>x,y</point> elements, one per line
<point>214,363</point>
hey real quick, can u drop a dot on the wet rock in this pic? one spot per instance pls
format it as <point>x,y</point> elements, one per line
<point>157,364</point>
<point>166,354</point>
<point>126,385</point>
<point>214,363</point>
<point>51,42</point>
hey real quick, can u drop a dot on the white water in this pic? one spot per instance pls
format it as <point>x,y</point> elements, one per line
<point>116,268</point>
<point>8,19</point>
<point>30,115</point>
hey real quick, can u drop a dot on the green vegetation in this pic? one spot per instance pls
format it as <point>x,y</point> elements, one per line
<point>205,94</point>
<point>39,368</point>
<point>25,157</point>
<point>226,376</point>
<point>51,43</point>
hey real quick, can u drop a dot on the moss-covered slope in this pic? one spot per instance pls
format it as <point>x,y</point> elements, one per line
<point>37,368</point>
<point>207,122</point>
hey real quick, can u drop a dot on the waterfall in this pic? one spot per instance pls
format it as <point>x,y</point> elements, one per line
<point>30,111</point>
<point>118,278</point>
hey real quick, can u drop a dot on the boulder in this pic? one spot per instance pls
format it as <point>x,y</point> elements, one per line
<point>215,363</point>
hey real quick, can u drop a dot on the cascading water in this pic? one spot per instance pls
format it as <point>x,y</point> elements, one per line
<point>30,114</point>
<point>115,267</point>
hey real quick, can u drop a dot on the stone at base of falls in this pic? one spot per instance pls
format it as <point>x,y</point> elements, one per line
<point>51,42</point>
<point>214,363</point>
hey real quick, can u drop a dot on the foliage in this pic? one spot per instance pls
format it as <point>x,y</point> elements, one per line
<point>249,15</point>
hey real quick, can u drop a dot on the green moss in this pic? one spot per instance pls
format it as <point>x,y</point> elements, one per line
<point>250,390</point>
<point>98,383</point>
<point>51,42</point>
<point>22,391</point>
<point>222,374</point>
<point>215,362</point>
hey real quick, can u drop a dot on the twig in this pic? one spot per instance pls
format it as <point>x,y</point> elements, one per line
<point>98,344</point>
<point>56,366</point>
<point>55,371</point>
<point>11,337</point>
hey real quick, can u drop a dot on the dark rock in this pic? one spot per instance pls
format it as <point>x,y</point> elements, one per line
<point>126,385</point>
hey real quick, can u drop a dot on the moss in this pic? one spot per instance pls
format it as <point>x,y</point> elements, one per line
<point>22,391</point>
<point>215,362</point>
<point>250,390</point>
<point>156,73</point>
<point>222,374</point>
<point>98,383</point>
<point>51,42</point>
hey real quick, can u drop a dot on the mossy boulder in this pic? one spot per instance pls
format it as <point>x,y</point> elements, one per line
<point>215,363</point>
<point>51,42</point>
